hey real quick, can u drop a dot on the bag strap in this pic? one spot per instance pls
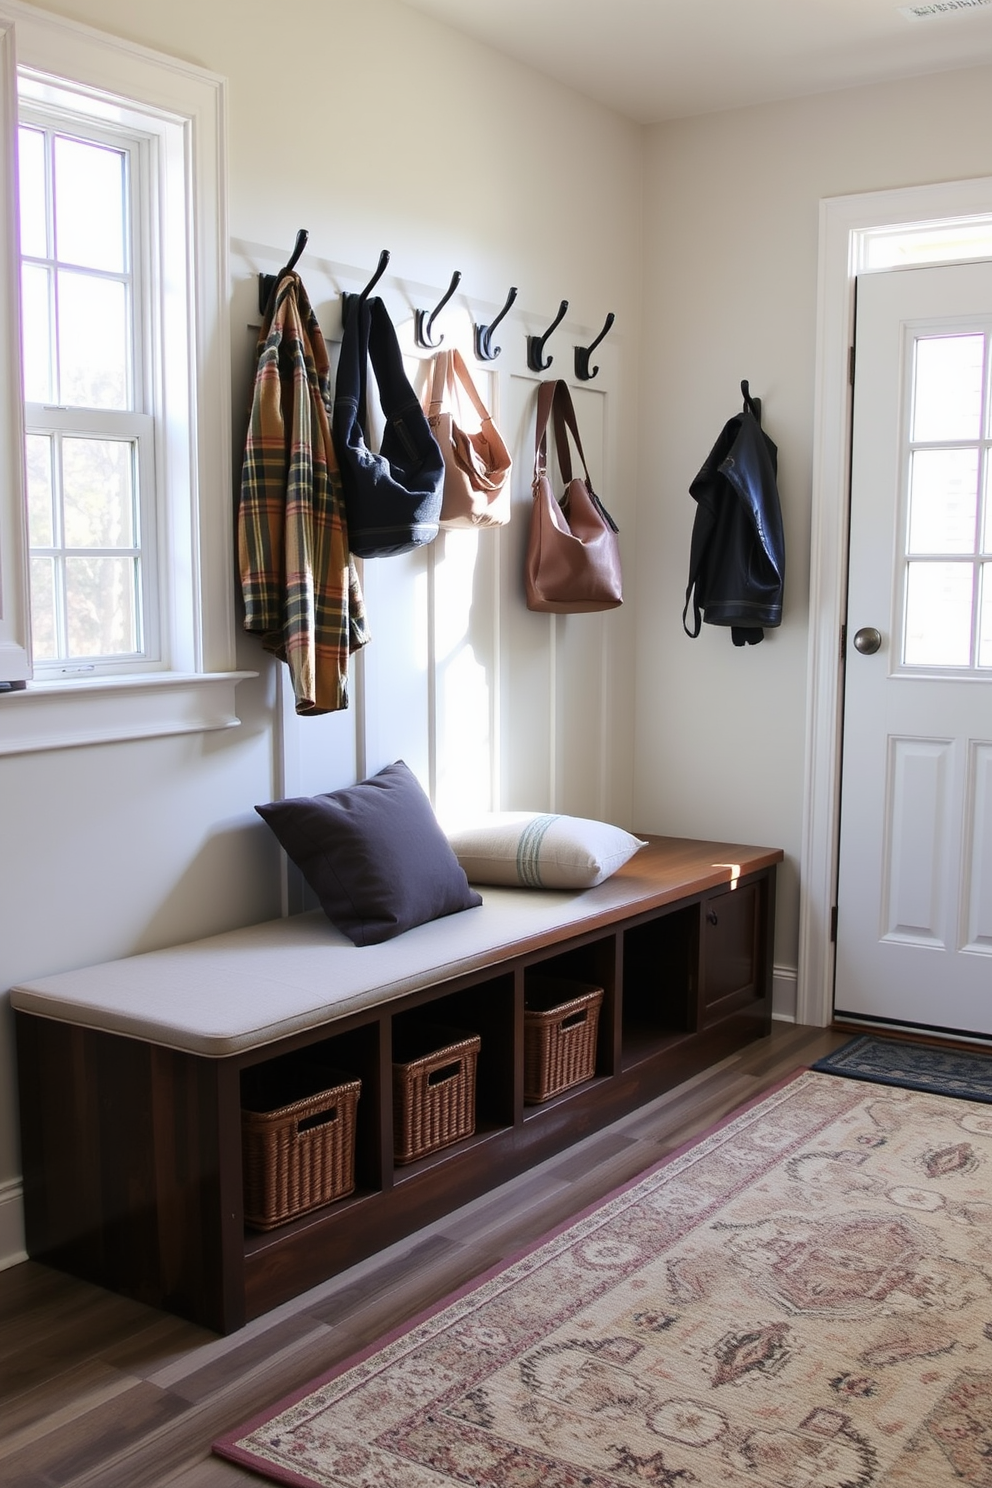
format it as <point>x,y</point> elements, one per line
<point>440,377</point>
<point>555,401</point>
<point>545,397</point>
<point>395,393</point>
<point>457,370</point>
<point>563,419</point>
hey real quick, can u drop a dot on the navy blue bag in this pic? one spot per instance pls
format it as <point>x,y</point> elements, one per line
<point>393,498</point>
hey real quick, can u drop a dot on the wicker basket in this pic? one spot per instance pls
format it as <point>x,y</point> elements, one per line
<point>299,1154</point>
<point>560,1022</point>
<point>433,1091</point>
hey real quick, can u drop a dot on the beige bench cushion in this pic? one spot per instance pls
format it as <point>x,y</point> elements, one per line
<point>249,987</point>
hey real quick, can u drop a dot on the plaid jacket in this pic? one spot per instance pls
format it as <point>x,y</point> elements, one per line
<point>300,587</point>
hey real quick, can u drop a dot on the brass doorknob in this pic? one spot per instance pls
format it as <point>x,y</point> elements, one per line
<point>867,640</point>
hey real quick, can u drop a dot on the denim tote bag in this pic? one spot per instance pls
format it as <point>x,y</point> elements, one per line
<point>392,498</point>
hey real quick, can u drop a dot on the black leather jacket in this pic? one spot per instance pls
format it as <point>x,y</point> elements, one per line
<point>737,554</point>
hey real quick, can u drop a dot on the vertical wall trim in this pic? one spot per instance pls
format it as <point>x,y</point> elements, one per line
<point>554,731</point>
<point>431,621</point>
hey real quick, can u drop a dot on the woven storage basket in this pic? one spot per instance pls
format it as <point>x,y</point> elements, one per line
<point>301,1154</point>
<point>434,1091</point>
<point>560,1022</point>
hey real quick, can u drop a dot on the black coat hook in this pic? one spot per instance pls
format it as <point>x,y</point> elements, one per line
<point>753,403</point>
<point>484,348</point>
<point>423,322</point>
<point>535,344</point>
<point>347,300</point>
<point>583,353</point>
<point>268,282</point>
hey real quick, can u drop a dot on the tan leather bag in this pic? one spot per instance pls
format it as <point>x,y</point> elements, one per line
<point>573,556</point>
<point>476,463</point>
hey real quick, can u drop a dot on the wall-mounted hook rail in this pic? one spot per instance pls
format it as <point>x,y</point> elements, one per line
<point>347,300</point>
<point>753,403</point>
<point>268,282</point>
<point>423,321</point>
<point>535,344</point>
<point>583,353</point>
<point>484,348</point>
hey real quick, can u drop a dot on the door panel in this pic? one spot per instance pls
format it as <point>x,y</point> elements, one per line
<point>915,868</point>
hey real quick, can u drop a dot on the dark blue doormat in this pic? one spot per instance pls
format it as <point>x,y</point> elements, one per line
<point>914,1066</point>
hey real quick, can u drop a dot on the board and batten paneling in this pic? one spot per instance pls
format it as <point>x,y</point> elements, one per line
<point>492,706</point>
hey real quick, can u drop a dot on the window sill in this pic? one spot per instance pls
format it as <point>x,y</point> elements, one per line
<point>66,714</point>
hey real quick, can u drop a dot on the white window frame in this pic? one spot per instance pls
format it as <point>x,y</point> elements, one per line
<point>183,111</point>
<point>61,111</point>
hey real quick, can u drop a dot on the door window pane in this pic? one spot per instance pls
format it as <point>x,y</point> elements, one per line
<point>943,501</point>
<point>89,205</point>
<point>38,463</point>
<point>100,603</point>
<point>948,389</point>
<point>938,614</point>
<point>93,351</point>
<point>33,204</point>
<point>98,493</point>
<point>985,619</point>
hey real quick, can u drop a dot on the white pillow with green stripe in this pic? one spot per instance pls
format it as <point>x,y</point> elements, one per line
<point>535,850</point>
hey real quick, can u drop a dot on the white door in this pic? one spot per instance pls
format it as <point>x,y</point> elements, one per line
<point>914,908</point>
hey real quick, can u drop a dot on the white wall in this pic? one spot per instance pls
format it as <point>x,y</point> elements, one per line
<point>372,127</point>
<point>732,205</point>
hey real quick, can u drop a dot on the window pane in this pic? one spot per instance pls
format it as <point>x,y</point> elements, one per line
<point>41,528</point>
<point>89,205</point>
<point>100,606</point>
<point>943,501</point>
<point>98,493</point>
<point>93,361</point>
<point>987,533</point>
<point>948,396</point>
<point>985,619</point>
<point>43,627</point>
<point>33,206</point>
<point>938,615</point>
<point>37,333</point>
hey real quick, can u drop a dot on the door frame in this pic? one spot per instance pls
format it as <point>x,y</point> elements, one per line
<point>845,224</point>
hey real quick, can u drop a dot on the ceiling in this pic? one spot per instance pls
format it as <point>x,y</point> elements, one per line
<point>654,60</point>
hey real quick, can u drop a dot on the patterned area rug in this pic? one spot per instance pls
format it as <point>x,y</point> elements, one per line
<point>802,1299</point>
<point>957,1072</point>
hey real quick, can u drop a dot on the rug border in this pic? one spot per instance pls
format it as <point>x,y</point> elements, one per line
<point>226,1446</point>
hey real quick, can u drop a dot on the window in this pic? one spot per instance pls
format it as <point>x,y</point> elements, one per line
<point>948,489</point>
<point>122,395</point>
<point>89,434</point>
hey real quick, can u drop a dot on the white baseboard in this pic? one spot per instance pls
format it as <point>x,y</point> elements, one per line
<point>785,989</point>
<point>12,1250</point>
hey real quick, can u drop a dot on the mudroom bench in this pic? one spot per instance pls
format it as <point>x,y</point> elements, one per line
<point>133,1074</point>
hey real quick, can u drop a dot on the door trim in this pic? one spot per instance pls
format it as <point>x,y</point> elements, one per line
<point>845,222</point>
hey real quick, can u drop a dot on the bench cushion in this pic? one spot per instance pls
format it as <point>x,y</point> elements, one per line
<point>247,988</point>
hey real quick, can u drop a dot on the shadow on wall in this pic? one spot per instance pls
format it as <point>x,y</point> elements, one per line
<point>238,863</point>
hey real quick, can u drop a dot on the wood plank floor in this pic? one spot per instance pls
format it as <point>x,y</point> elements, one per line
<point>100,1392</point>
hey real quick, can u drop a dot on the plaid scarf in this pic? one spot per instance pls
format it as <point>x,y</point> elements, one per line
<point>298,579</point>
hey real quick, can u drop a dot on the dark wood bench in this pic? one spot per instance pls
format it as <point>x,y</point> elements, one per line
<point>131,1072</point>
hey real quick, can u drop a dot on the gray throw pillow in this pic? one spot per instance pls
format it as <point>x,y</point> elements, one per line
<point>374,854</point>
